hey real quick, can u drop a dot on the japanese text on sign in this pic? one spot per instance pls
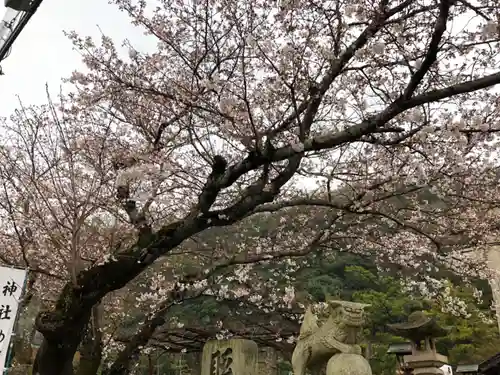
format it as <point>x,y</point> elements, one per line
<point>11,287</point>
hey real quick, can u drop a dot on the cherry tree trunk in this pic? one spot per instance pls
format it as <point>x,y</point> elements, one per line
<point>52,359</point>
<point>91,346</point>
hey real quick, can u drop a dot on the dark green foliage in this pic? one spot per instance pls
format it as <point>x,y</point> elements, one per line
<point>356,278</point>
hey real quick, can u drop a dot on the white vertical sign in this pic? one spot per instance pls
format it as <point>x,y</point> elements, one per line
<point>11,288</point>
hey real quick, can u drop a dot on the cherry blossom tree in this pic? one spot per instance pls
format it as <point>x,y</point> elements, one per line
<point>51,205</point>
<point>386,105</point>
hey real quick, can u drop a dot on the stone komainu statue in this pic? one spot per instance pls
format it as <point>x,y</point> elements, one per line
<point>338,334</point>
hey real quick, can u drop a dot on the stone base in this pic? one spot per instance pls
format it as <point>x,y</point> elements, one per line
<point>427,371</point>
<point>426,363</point>
<point>348,364</point>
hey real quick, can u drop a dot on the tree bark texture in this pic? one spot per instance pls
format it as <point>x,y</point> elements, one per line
<point>91,346</point>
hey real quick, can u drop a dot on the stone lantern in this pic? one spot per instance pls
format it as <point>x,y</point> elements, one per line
<point>422,332</point>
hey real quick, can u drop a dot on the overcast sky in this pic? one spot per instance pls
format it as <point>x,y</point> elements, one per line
<point>42,54</point>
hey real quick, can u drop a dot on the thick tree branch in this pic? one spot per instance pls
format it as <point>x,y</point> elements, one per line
<point>431,55</point>
<point>211,189</point>
<point>355,132</point>
<point>310,106</point>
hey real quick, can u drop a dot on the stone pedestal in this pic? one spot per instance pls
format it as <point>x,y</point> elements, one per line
<point>230,357</point>
<point>348,364</point>
<point>426,362</point>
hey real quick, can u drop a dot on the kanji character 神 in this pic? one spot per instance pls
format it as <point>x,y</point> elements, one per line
<point>9,289</point>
